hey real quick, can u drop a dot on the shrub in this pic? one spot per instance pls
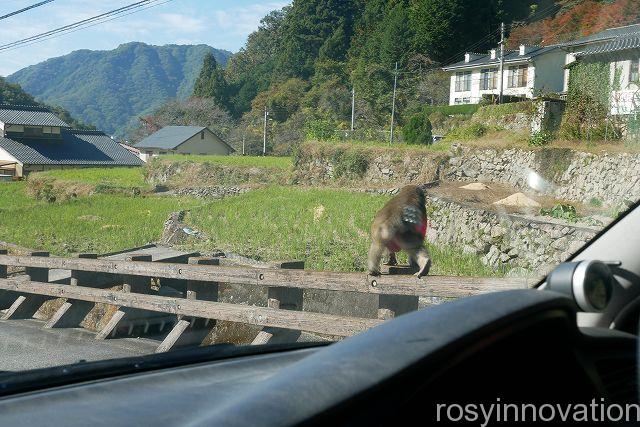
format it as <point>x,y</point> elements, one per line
<point>470,131</point>
<point>322,129</point>
<point>349,164</point>
<point>418,130</point>
<point>561,211</point>
<point>452,110</point>
<point>539,139</point>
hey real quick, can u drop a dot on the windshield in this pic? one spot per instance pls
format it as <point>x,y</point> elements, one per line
<point>185,173</point>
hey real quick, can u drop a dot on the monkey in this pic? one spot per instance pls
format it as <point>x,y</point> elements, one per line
<point>401,225</point>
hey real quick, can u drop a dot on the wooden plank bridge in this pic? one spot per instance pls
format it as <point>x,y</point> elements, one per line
<point>176,294</point>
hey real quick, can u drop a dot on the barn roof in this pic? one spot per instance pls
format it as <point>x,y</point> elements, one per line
<point>75,147</point>
<point>29,116</point>
<point>170,137</point>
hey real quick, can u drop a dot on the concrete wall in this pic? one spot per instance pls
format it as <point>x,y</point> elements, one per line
<point>549,73</point>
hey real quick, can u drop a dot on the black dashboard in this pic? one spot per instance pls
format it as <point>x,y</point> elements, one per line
<point>516,346</point>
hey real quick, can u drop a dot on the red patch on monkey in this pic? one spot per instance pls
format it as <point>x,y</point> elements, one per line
<point>421,228</point>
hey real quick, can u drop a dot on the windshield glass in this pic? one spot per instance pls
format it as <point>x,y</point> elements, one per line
<point>184,173</point>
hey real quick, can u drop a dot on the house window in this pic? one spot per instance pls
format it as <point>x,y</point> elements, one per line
<point>633,71</point>
<point>202,135</point>
<point>488,77</point>
<point>517,76</point>
<point>458,101</point>
<point>463,81</point>
<point>466,100</point>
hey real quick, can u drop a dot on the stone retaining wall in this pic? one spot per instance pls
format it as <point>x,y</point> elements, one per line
<point>503,240</point>
<point>566,174</point>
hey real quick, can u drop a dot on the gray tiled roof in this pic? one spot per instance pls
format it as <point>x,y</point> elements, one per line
<point>170,137</point>
<point>620,43</point>
<point>30,116</point>
<point>605,35</point>
<point>91,148</point>
<point>509,57</point>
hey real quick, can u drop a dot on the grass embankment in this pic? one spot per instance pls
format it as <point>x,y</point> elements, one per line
<point>252,161</point>
<point>328,229</point>
<point>199,171</point>
<point>99,223</point>
<point>123,177</point>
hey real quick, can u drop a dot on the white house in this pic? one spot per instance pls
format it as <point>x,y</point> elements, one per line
<point>185,140</point>
<point>528,71</point>
<point>620,48</point>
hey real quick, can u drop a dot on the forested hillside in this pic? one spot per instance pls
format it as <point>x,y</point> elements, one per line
<point>304,60</point>
<point>12,94</point>
<point>111,88</point>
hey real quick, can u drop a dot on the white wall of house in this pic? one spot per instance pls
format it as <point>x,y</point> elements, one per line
<point>474,95</point>
<point>625,96</point>
<point>5,157</point>
<point>202,143</point>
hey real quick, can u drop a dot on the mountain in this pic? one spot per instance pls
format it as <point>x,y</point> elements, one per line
<point>109,89</point>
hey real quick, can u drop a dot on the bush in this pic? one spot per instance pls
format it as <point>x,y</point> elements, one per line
<point>349,164</point>
<point>561,211</point>
<point>452,110</point>
<point>470,131</point>
<point>322,129</point>
<point>418,130</point>
<point>539,139</point>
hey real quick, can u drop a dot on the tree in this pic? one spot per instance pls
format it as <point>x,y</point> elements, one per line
<point>418,130</point>
<point>211,82</point>
<point>192,112</point>
<point>446,27</point>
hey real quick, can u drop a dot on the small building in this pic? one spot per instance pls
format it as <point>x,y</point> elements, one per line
<point>34,139</point>
<point>528,71</point>
<point>619,48</point>
<point>186,140</point>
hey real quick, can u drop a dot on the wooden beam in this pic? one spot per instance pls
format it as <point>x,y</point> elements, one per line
<point>72,313</point>
<point>26,306</point>
<point>261,316</point>
<point>428,286</point>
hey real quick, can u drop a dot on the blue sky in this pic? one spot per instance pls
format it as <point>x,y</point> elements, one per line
<point>218,23</point>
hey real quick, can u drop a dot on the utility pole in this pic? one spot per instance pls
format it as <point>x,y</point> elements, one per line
<point>264,132</point>
<point>501,62</point>
<point>243,145</point>
<point>353,108</point>
<point>393,104</point>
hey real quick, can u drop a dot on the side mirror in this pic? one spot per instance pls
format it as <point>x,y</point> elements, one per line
<point>588,283</point>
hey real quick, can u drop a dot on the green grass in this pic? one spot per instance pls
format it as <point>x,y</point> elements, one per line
<point>121,177</point>
<point>258,161</point>
<point>100,223</point>
<point>328,229</point>
<point>440,146</point>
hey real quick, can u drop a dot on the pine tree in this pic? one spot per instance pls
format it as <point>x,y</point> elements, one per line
<point>211,82</point>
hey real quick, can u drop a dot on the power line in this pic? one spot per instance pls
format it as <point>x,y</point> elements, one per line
<point>24,9</point>
<point>85,23</point>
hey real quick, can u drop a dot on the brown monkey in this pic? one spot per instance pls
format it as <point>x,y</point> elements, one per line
<point>401,225</point>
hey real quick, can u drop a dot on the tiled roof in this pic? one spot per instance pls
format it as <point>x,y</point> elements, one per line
<point>620,43</point>
<point>91,148</point>
<point>170,137</point>
<point>30,116</point>
<point>509,57</point>
<point>605,35</point>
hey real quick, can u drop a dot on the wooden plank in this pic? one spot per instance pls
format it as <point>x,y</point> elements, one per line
<point>72,313</point>
<point>261,316</point>
<point>26,306</point>
<point>428,286</point>
<point>266,334</point>
<point>173,336</point>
